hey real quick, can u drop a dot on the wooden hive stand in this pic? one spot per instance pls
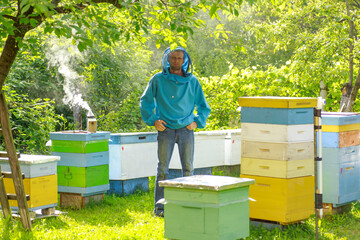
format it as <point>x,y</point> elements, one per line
<point>15,170</point>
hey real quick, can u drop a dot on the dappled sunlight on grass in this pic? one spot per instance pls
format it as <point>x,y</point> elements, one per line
<point>130,217</point>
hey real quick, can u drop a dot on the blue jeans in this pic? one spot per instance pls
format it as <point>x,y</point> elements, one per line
<point>166,142</point>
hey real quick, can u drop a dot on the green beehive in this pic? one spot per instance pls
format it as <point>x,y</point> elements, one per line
<point>206,207</point>
<point>84,166</point>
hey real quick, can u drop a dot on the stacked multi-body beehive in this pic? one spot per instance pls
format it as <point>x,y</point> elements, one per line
<point>341,158</point>
<point>277,151</point>
<point>83,170</point>
<point>40,178</point>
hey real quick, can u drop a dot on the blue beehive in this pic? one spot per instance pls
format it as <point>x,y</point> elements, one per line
<point>341,157</point>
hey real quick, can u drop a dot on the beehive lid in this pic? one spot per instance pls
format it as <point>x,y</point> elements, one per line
<point>33,159</point>
<point>277,102</point>
<point>207,182</point>
<point>340,118</point>
<point>133,137</point>
<point>79,135</point>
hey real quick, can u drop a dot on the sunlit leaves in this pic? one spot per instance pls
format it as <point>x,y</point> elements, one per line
<point>172,22</point>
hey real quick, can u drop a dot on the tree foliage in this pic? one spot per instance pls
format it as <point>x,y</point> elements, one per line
<point>32,120</point>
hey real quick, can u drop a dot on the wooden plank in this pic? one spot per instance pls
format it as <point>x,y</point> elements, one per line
<point>74,200</point>
<point>9,175</point>
<point>14,163</point>
<point>12,130</point>
<point>329,208</point>
<point>11,196</point>
<point>4,154</point>
<point>3,198</point>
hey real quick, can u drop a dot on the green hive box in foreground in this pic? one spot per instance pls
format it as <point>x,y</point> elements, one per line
<point>206,207</point>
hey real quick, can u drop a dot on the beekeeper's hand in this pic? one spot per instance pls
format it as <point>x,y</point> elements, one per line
<point>192,126</point>
<point>160,125</point>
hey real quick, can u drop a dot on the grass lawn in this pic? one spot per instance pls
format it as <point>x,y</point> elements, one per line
<point>131,217</point>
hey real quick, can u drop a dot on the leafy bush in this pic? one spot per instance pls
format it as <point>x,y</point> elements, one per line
<point>33,120</point>
<point>126,118</point>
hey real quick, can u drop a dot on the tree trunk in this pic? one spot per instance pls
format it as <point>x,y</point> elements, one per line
<point>323,91</point>
<point>7,58</point>
<point>353,94</point>
<point>346,102</point>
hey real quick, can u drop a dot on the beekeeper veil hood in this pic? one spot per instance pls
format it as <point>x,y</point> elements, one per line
<point>187,66</point>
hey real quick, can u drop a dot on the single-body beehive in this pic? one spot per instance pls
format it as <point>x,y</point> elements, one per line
<point>133,159</point>
<point>206,207</point>
<point>40,176</point>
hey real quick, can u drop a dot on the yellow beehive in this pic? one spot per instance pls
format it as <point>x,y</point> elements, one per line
<point>42,190</point>
<point>277,168</point>
<point>281,200</point>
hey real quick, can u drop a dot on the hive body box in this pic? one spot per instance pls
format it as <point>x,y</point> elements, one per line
<point>277,168</point>
<point>84,165</point>
<point>206,207</point>
<point>133,159</point>
<point>341,157</point>
<point>281,116</point>
<point>278,152</point>
<point>40,177</point>
<point>281,200</point>
<point>277,132</point>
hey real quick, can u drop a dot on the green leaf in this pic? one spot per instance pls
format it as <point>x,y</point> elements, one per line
<point>66,16</point>
<point>23,2</point>
<point>33,22</point>
<point>25,8</point>
<point>81,46</point>
<point>213,9</point>
<point>24,20</point>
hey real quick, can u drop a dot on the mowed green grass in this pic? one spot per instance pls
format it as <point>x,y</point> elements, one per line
<point>130,217</point>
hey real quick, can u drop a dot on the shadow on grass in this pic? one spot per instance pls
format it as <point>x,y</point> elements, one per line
<point>336,226</point>
<point>343,225</point>
<point>114,210</point>
<point>302,230</point>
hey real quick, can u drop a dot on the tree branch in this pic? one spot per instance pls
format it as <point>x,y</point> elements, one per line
<point>356,4</point>
<point>116,3</point>
<point>10,17</point>
<point>68,10</point>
